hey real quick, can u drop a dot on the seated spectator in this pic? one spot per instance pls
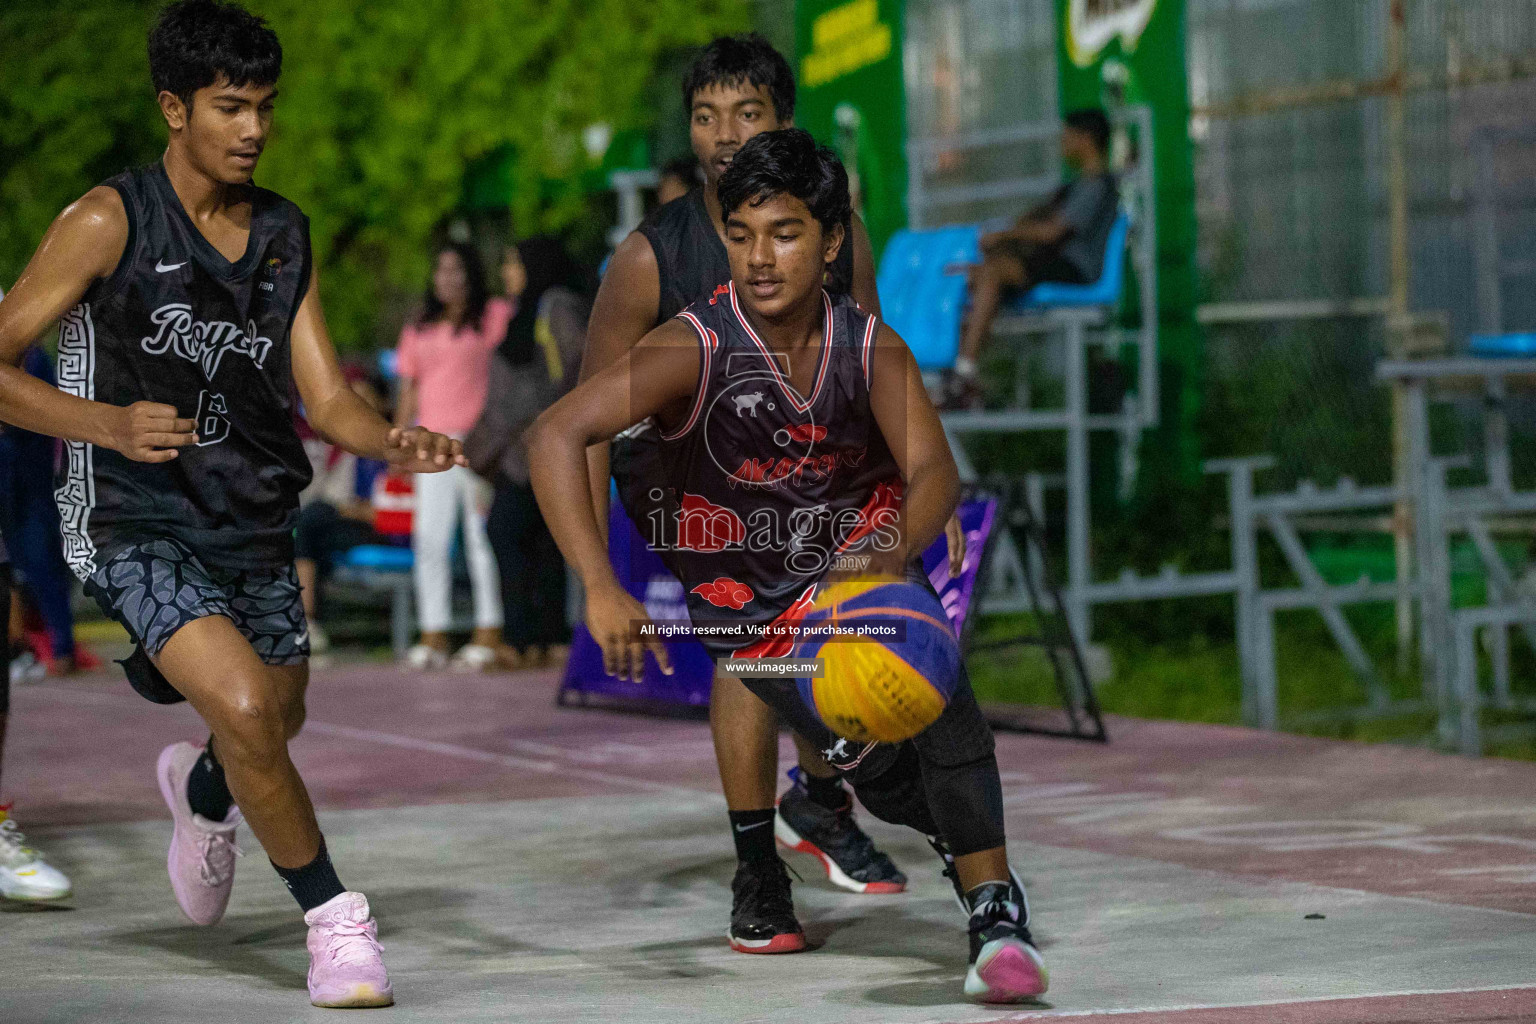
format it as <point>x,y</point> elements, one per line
<point>536,364</point>
<point>678,177</point>
<point>1062,239</point>
<point>335,512</point>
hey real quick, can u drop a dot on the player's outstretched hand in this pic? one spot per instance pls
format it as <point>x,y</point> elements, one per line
<point>422,451</point>
<point>617,622</point>
<point>150,432</point>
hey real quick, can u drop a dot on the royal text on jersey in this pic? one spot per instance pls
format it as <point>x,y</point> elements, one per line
<point>204,342</point>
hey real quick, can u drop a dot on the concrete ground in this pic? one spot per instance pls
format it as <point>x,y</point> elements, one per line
<point>528,863</point>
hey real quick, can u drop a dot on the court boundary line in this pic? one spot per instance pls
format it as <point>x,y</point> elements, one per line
<point>542,767</point>
<point>503,760</point>
<point>1256,1004</point>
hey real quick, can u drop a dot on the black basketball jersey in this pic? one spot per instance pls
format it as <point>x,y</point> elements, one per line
<point>762,488</point>
<point>178,323</point>
<point>692,264</point>
<point>692,259</point>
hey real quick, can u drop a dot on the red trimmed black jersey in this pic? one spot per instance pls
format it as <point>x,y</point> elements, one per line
<point>691,262</point>
<point>178,323</point>
<point>761,488</point>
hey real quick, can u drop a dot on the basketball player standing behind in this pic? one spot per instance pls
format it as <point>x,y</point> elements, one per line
<point>738,87</point>
<point>190,309</point>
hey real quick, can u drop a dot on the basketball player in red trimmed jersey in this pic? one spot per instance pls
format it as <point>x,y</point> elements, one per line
<point>758,499</point>
<point>738,87</point>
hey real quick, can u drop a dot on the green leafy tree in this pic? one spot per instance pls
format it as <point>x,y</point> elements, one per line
<point>383,107</point>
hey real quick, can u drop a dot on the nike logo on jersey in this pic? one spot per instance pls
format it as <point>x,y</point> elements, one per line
<point>164,268</point>
<point>203,341</point>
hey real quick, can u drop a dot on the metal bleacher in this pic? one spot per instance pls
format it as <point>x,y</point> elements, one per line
<point>923,295</point>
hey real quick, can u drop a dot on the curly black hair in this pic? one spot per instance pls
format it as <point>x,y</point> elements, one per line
<point>734,60</point>
<point>196,43</point>
<point>788,162</point>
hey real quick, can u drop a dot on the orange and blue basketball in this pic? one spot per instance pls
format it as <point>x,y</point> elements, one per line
<point>891,660</point>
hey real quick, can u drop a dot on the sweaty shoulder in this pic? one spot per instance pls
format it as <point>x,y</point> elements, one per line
<point>674,333</point>
<point>93,230</point>
<point>634,258</point>
<point>887,338</point>
<point>626,303</point>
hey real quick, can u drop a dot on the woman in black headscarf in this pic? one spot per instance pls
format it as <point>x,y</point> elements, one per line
<point>536,364</point>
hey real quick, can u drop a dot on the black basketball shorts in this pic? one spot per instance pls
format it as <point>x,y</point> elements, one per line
<point>155,587</point>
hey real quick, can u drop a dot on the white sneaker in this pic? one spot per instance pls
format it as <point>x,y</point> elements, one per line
<point>422,658</point>
<point>24,875</point>
<point>474,658</point>
<point>25,668</point>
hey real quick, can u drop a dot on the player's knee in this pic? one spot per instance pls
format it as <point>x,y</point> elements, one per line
<point>254,725</point>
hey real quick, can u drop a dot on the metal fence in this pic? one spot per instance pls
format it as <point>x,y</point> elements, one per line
<point>981,69</point>
<point>1294,162</point>
<point>1293,156</point>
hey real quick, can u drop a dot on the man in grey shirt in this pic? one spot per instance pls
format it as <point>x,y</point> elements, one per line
<point>1062,239</point>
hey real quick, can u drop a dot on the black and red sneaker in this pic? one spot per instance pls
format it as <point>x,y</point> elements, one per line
<point>762,910</point>
<point>833,837</point>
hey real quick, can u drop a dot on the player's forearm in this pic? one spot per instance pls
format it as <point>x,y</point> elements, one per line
<point>348,422</point>
<point>932,492</point>
<point>599,462</point>
<point>31,404</point>
<point>558,471</point>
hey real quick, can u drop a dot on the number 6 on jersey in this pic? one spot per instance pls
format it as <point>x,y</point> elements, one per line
<point>212,418</point>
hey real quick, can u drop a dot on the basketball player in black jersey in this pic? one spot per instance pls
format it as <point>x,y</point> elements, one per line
<point>189,310</point>
<point>738,87</point>
<point>791,423</point>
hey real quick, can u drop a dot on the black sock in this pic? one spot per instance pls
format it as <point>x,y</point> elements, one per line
<point>207,791</point>
<point>314,883</point>
<point>753,832</point>
<point>829,793</point>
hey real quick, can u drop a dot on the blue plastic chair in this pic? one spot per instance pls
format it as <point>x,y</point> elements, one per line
<point>1507,346</point>
<point>1103,292</point>
<point>923,292</point>
<point>922,286</point>
<point>378,557</point>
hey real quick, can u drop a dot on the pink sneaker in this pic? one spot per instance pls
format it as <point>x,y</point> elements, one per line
<point>202,858</point>
<point>346,963</point>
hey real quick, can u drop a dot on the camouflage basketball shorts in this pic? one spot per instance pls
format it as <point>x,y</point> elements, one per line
<point>156,587</point>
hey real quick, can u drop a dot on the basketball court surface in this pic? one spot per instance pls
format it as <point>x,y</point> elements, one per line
<point>528,863</point>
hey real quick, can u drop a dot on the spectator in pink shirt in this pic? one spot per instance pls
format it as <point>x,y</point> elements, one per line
<point>444,361</point>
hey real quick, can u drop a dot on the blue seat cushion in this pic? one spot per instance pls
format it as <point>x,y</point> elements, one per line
<point>1507,345</point>
<point>923,293</point>
<point>923,289</point>
<point>1103,292</point>
<point>377,556</point>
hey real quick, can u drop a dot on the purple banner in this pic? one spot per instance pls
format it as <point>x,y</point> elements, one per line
<point>957,592</point>
<point>641,572</point>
